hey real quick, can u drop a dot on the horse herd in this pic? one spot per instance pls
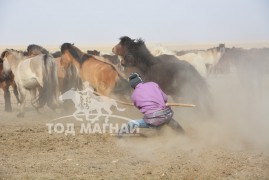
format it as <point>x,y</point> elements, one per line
<point>182,75</point>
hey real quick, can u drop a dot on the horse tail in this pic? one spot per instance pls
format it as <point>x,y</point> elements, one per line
<point>48,92</point>
<point>72,79</point>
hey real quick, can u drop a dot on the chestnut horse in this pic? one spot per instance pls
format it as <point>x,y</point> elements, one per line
<point>177,78</point>
<point>7,80</point>
<point>102,76</point>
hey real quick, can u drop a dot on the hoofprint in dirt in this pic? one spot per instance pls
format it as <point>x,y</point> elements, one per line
<point>232,146</point>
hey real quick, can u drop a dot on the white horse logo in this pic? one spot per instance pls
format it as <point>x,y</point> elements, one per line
<point>86,102</point>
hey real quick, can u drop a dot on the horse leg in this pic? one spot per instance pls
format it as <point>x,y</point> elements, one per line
<point>34,98</point>
<point>52,102</point>
<point>16,93</point>
<point>59,91</point>
<point>22,92</point>
<point>8,107</point>
<point>60,86</point>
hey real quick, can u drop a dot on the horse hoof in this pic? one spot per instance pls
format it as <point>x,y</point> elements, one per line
<point>20,115</point>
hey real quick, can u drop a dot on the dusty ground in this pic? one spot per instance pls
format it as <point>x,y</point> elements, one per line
<point>232,145</point>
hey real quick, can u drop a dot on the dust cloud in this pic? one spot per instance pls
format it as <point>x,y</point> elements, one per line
<point>240,121</point>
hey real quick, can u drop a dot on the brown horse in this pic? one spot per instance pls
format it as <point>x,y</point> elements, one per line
<point>102,76</point>
<point>177,78</point>
<point>7,80</point>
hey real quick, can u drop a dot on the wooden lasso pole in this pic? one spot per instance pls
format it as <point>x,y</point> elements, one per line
<point>131,104</point>
<point>168,104</point>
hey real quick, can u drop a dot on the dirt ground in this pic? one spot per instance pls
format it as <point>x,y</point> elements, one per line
<point>234,144</point>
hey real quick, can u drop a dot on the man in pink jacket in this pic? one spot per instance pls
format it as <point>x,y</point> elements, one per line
<point>151,101</point>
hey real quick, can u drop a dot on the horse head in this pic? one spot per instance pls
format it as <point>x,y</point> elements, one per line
<point>121,48</point>
<point>65,59</point>
<point>128,49</point>
<point>134,53</point>
<point>69,53</point>
<point>5,56</point>
<point>3,75</point>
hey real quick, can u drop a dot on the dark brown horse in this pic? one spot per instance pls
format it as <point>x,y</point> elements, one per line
<point>102,76</point>
<point>177,78</point>
<point>7,80</point>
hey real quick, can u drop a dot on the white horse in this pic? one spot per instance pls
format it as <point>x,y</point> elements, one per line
<point>35,73</point>
<point>159,50</point>
<point>204,61</point>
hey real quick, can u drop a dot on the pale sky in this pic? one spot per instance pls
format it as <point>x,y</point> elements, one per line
<point>159,21</point>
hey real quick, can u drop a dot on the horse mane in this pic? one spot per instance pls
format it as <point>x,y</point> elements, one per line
<point>183,52</point>
<point>137,49</point>
<point>75,52</point>
<point>3,54</point>
<point>93,52</point>
<point>36,48</point>
<point>196,51</point>
<point>217,48</point>
<point>82,57</point>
